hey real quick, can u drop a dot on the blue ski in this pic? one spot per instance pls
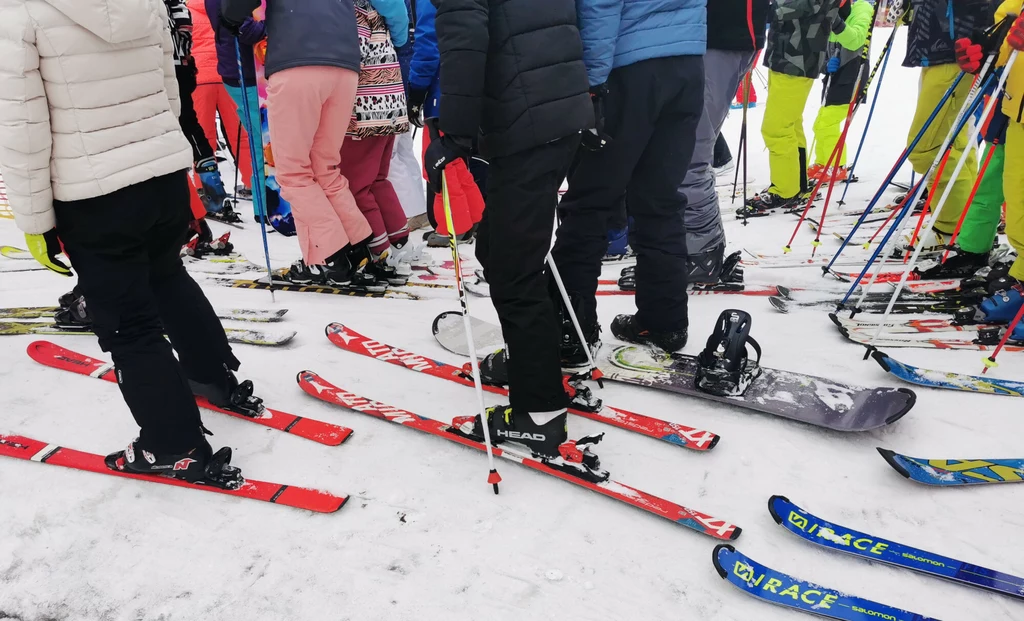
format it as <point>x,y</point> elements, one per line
<point>950,381</point>
<point>778,588</point>
<point>946,472</point>
<point>843,539</point>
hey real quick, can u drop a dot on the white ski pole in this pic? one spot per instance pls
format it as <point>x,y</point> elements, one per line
<point>595,373</point>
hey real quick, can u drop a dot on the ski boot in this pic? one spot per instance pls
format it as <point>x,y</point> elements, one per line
<point>245,194</point>
<point>818,172</point>
<point>765,203</point>
<point>724,368</point>
<point>361,277</point>
<point>572,353</point>
<point>230,394</point>
<point>73,313</point>
<point>959,264</point>
<point>1000,308</point>
<point>705,267</point>
<point>382,270</point>
<point>493,369</point>
<point>934,242</point>
<point>199,465</point>
<point>213,194</point>
<point>627,328</point>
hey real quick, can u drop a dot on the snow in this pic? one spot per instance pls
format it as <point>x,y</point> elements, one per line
<point>423,536</point>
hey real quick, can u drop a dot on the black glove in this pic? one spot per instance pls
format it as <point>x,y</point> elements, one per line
<point>416,97</point>
<point>595,139</point>
<point>443,150</point>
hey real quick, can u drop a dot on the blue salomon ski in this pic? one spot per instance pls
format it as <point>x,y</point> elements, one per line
<point>946,472</point>
<point>778,588</point>
<point>950,381</point>
<point>843,539</point>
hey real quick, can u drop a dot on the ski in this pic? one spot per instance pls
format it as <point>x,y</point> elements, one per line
<point>949,381</point>
<point>758,259</point>
<point>235,335</point>
<point>12,252</point>
<point>20,447</point>
<point>842,539</point>
<point>783,590</point>
<point>900,308</point>
<point>870,323</point>
<point>950,472</point>
<point>262,284</point>
<point>674,433</point>
<point>867,337</point>
<point>320,388</point>
<point>255,315</point>
<point>58,357</point>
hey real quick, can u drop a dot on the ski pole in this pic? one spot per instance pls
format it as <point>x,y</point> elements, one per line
<point>595,373</point>
<point>257,195</point>
<point>949,188</point>
<point>238,147</point>
<point>493,478</point>
<point>990,361</point>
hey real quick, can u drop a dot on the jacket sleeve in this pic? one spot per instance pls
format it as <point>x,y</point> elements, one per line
<point>170,77</point>
<point>598,22</point>
<point>425,59</point>
<point>462,41</point>
<point>235,11</point>
<point>1009,8</point>
<point>855,35</point>
<point>181,21</point>
<point>788,10</point>
<point>252,31</point>
<point>397,18</point>
<point>25,140</point>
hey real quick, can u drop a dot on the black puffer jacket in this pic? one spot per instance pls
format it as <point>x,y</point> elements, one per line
<point>729,27</point>
<point>512,72</point>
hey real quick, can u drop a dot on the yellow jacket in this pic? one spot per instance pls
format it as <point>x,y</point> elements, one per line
<point>1013,100</point>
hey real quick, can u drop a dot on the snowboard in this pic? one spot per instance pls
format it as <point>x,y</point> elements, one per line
<point>953,472</point>
<point>949,381</point>
<point>235,335</point>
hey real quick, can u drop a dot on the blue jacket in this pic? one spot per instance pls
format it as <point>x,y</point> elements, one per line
<point>617,33</point>
<point>405,52</point>
<point>396,16</point>
<point>425,67</point>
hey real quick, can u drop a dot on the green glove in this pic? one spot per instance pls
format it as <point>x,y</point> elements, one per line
<point>45,248</point>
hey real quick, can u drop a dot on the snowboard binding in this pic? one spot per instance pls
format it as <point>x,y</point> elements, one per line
<point>724,368</point>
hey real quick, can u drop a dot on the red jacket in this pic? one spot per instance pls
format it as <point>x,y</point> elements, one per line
<point>204,47</point>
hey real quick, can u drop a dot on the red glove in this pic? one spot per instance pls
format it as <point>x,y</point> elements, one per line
<point>968,55</point>
<point>467,202</point>
<point>1016,36</point>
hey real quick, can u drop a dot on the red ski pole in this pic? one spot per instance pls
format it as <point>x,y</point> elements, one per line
<point>990,361</point>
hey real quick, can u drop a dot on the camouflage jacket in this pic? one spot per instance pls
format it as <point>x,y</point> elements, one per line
<point>798,38</point>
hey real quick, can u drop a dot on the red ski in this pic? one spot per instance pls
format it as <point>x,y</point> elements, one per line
<point>320,388</point>
<point>350,340</point>
<point>28,449</point>
<point>58,357</point>
<point>752,290</point>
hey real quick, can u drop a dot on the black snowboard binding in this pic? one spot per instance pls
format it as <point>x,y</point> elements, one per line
<point>724,367</point>
<point>230,394</point>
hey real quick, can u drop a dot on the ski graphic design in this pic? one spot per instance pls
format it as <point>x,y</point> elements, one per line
<point>12,252</point>
<point>842,539</point>
<point>951,472</point>
<point>21,447</point>
<point>320,388</point>
<point>261,284</point>
<point>900,308</point>
<point>869,323</point>
<point>674,433</point>
<point>64,359</point>
<point>235,335</point>
<point>949,381</point>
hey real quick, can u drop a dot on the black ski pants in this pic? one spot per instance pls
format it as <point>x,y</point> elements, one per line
<point>651,114</point>
<point>512,244</point>
<point>188,119</point>
<point>125,246</point>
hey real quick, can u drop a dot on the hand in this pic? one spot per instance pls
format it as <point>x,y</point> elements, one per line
<point>833,65</point>
<point>416,98</point>
<point>442,151</point>
<point>45,248</point>
<point>968,55</point>
<point>1016,37</point>
<point>595,139</point>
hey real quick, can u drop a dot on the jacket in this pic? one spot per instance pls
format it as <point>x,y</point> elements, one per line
<point>88,102</point>
<point>179,20</point>
<point>932,34</point>
<point>1013,96</point>
<point>512,73</point>
<point>849,44</point>
<point>425,66</point>
<point>617,33</point>
<point>798,38</point>
<point>204,48</point>
<point>250,33</point>
<point>380,108</point>
<point>396,16</point>
<point>729,27</point>
<point>303,33</point>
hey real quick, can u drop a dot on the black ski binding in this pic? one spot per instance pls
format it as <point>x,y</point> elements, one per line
<point>724,368</point>
<point>990,335</point>
<point>220,473</point>
<point>580,395</point>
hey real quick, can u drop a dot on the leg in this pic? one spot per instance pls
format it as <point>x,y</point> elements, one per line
<point>982,220</point>
<point>782,130</point>
<point>360,163</point>
<point>395,220</point>
<point>1013,184</point>
<point>255,122</point>
<point>188,120</point>
<point>827,131</point>
<point>204,101</point>
<point>406,176</point>
<point>522,192</point>
<point>237,144</point>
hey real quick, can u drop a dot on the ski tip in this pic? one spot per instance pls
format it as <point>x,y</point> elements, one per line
<point>882,359</point>
<point>834,317</point>
<point>778,303</point>
<point>890,458</point>
<point>735,533</point>
<point>911,401</point>
<point>716,558</point>
<point>304,376</point>
<point>784,292</point>
<point>714,442</point>
<point>35,349</point>
<point>771,507</point>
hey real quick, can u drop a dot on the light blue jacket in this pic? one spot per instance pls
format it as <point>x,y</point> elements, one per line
<point>617,33</point>
<point>396,15</point>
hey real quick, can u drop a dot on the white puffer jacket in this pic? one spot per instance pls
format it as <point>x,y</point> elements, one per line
<point>88,102</point>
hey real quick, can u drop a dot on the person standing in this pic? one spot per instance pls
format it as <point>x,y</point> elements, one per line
<point>113,189</point>
<point>522,98</point>
<point>646,76</point>
<point>735,33</point>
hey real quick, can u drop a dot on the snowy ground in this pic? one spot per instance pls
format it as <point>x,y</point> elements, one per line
<point>423,537</point>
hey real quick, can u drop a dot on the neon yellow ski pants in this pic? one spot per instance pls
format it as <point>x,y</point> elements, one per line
<point>935,81</point>
<point>1013,189</point>
<point>828,127</point>
<point>783,132</point>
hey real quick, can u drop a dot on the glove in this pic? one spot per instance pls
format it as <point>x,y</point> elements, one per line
<point>442,151</point>
<point>416,97</point>
<point>45,248</point>
<point>833,65</point>
<point>231,26</point>
<point>1016,36</point>
<point>968,55</point>
<point>595,139</point>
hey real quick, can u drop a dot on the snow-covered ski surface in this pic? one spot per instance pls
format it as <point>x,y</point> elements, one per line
<point>423,536</point>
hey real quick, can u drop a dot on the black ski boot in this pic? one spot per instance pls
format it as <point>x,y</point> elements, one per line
<point>360,258</point>
<point>199,465</point>
<point>765,203</point>
<point>724,368</point>
<point>379,268</point>
<point>229,394</point>
<point>73,313</point>
<point>706,267</point>
<point>573,353</point>
<point>959,264</point>
<point>493,369</point>
<point>627,328</point>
